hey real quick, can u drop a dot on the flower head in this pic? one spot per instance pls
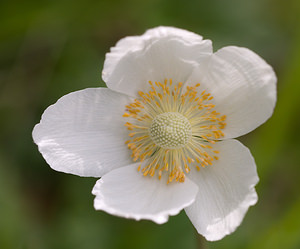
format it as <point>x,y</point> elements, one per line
<point>161,135</point>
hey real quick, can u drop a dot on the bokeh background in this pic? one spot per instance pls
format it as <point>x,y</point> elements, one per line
<point>49,48</point>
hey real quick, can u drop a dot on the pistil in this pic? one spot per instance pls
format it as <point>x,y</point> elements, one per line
<point>171,131</point>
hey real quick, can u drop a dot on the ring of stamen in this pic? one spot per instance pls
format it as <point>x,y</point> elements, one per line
<point>172,130</point>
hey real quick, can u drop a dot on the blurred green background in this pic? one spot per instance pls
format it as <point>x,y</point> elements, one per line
<point>50,48</point>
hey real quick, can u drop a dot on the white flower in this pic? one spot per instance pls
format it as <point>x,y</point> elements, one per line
<point>160,137</point>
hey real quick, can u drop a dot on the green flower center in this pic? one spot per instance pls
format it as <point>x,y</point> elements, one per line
<point>170,130</point>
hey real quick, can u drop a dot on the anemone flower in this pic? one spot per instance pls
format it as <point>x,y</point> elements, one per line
<point>160,137</point>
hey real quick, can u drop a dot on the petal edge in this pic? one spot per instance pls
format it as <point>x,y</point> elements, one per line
<point>83,131</point>
<point>127,193</point>
<point>226,191</point>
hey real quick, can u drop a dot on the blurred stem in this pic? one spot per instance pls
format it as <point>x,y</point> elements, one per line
<point>201,242</point>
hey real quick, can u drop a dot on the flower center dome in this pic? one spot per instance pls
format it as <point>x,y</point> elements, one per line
<point>170,130</point>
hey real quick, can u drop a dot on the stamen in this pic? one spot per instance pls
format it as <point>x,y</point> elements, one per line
<point>172,130</point>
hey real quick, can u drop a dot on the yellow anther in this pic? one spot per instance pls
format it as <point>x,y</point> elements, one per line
<point>126,114</point>
<point>159,174</point>
<point>205,121</point>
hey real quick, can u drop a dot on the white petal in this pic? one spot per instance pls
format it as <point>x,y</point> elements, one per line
<point>243,86</point>
<point>126,192</point>
<point>84,132</point>
<point>161,53</point>
<point>226,190</point>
